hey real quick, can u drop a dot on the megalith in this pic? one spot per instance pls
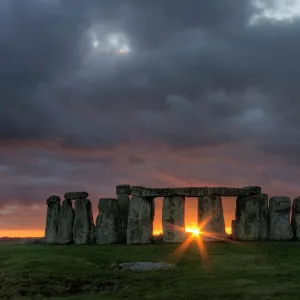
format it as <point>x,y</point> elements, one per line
<point>173,219</point>
<point>279,218</point>
<point>76,195</point>
<point>83,226</point>
<point>106,221</point>
<point>247,217</point>
<point>263,217</point>
<point>52,219</point>
<point>234,229</point>
<point>65,231</point>
<point>123,191</point>
<point>140,220</point>
<point>211,217</point>
<point>296,218</point>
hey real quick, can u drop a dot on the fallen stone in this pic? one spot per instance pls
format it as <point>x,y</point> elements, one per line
<point>122,217</point>
<point>140,220</point>
<point>143,266</point>
<point>83,222</point>
<point>195,191</point>
<point>76,195</point>
<point>279,218</point>
<point>123,189</point>
<point>211,217</point>
<point>106,222</point>
<point>173,219</point>
<point>296,218</point>
<point>52,220</point>
<point>65,231</point>
<point>247,218</point>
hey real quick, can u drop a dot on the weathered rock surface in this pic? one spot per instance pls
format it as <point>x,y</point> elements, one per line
<point>83,222</point>
<point>65,231</point>
<point>140,220</point>
<point>247,218</point>
<point>279,218</point>
<point>173,219</point>
<point>263,216</point>
<point>195,191</point>
<point>234,229</point>
<point>296,218</point>
<point>143,266</point>
<point>76,195</point>
<point>123,189</point>
<point>211,217</point>
<point>53,199</point>
<point>106,222</point>
<point>52,219</point>
<point>122,217</point>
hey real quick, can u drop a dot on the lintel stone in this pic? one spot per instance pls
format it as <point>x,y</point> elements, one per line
<point>139,191</point>
<point>123,189</point>
<point>76,195</point>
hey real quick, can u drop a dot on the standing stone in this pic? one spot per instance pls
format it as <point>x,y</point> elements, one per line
<point>83,222</point>
<point>296,218</point>
<point>106,222</point>
<point>173,219</point>
<point>123,191</point>
<point>65,231</point>
<point>234,229</point>
<point>52,219</point>
<point>263,216</point>
<point>247,218</point>
<point>279,218</point>
<point>211,217</point>
<point>140,220</point>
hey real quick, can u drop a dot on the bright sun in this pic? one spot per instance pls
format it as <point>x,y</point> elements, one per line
<point>194,231</point>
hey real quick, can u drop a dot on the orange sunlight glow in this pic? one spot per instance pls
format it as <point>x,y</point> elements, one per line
<point>193,230</point>
<point>22,233</point>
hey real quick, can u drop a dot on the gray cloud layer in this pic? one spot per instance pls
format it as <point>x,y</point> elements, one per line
<point>198,77</point>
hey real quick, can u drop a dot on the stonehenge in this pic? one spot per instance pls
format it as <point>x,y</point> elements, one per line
<point>52,219</point>
<point>279,222</point>
<point>210,216</point>
<point>173,219</point>
<point>106,222</point>
<point>296,218</point>
<point>140,220</point>
<point>128,218</point>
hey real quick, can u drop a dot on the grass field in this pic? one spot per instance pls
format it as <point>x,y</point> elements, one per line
<point>260,270</point>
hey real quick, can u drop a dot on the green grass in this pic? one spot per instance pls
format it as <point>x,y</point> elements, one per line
<point>260,270</point>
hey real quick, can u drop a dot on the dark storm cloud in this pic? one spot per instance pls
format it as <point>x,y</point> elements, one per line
<point>198,76</point>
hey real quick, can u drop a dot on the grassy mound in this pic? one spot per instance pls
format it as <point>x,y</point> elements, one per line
<point>231,271</point>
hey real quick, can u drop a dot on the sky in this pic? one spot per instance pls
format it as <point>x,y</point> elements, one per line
<point>161,93</point>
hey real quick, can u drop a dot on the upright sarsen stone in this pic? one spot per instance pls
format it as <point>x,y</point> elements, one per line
<point>123,191</point>
<point>296,218</point>
<point>106,222</point>
<point>279,218</point>
<point>263,216</point>
<point>52,219</point>
<point>173,219</point>
<point>211,216</point>
<point>247,218</point>
<point>65,231</point>
<point>83,226</point>
<point>140,220</point>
